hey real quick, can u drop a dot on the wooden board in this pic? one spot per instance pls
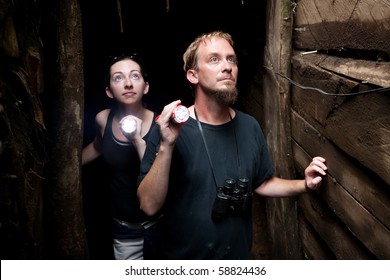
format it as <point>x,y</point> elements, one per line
<point>350,24</point>
<point>364,71</point>
<point>364,209</point>
<point>340,241</point>
<point>358,125</point>
<point>281,213</point>
<point>261,245</point>
<point>365,189</point>
<point>314,248</point>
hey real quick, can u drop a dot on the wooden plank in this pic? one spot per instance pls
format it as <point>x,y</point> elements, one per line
<point>312,243</point>
<point>351,24</point>
<point>318,11</point>
<point>339,192</point>
<point>340,241</point>
<point>277,91</point>
<point>281,213</point>
<point>261,247</point>
<point>359,125</point>
<point>365,189</point>
<point>373,72</point>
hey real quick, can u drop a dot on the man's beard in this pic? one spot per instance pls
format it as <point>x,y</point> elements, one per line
<point>226,96</point>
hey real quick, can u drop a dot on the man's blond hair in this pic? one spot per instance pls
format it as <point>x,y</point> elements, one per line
<point>190,57</point>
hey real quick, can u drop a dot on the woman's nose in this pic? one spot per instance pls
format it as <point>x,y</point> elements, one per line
<point>128,82</point>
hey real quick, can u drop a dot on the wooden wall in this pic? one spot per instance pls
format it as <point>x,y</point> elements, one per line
<point>341,48</point>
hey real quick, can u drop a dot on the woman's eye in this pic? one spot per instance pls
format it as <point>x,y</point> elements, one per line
<point>118,78</point>
<point>135,76</point>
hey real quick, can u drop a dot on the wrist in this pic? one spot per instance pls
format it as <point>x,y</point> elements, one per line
<point>166,148</point>
<point>307,189</point>
<point>137,141</point>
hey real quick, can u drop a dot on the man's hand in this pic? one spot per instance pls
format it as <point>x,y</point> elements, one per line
<point>169,130</point>
<point>314,173</point>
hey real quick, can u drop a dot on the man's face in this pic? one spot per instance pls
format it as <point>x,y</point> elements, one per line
<point>217,70</point>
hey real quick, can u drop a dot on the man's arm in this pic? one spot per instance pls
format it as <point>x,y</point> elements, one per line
<point>153,189</point>
<point>277,187</point>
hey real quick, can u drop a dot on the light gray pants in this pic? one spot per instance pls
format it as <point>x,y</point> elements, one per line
<point>129,249</point>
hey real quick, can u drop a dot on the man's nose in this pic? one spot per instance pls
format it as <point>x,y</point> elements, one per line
<point>227,65</point>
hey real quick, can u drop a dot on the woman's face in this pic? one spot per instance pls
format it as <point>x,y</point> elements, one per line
<point>127,84</point>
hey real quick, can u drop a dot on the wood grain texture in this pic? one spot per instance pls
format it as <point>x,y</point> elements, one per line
<point>332,24</point>
<point>358,125</point>
<point>360,204</point>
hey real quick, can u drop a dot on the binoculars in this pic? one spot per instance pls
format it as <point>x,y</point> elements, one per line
<point>233,196</point>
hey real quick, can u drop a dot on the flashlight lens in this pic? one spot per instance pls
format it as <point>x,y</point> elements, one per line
<point>180,114</point>
<point>128,124</point>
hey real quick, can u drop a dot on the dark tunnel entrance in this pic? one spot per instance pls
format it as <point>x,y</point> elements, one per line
<point>160,31</point>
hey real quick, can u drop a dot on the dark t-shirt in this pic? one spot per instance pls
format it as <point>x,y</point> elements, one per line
<point>187,229</point>
<point>124,163</point>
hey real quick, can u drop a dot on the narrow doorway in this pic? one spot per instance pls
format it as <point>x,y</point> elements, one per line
<point>160,31</point>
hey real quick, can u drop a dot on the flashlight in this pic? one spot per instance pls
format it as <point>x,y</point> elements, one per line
<point>179,115</point>
<point>128,125</point>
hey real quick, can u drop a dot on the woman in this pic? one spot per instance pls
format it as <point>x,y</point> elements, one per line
<point>126,84</point>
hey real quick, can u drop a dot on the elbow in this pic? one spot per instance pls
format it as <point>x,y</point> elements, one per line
<point>148,209</point>
<point>146,205</point>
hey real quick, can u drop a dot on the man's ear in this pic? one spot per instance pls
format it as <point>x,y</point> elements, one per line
<point>192,76</point>
<point>108,92</point>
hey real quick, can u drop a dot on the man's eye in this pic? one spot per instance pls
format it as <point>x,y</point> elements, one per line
<point>232,60</point>
<point>214,59</point>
